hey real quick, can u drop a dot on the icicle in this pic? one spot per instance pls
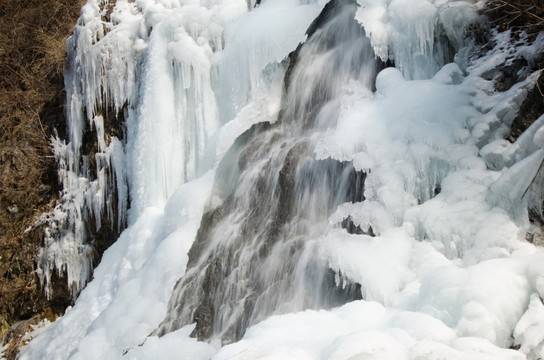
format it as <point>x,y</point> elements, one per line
<point>100,76</point>
<point>408,32</point>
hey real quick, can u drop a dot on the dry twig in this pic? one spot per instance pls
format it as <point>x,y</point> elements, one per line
<point>517,14</point>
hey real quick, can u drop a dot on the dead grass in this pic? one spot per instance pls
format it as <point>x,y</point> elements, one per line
<point>525,15</point>
<point>32,52</point>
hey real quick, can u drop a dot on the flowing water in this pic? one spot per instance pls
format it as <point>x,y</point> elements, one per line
<point>254,255</point>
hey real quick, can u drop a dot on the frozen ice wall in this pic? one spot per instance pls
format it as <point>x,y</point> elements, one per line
<point>418,36</point>
<point>436,239</point>
<point>100,80</point>
<point>143,81</point>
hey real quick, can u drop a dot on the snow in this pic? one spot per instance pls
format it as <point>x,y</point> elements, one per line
<point>447,274</point>
<point>176,345</point>
<point>361,329</point>
<point>455,226</point>
<point>529,332</point>
<point>130,289</point>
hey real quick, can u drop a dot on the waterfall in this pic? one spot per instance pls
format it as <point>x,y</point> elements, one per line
<point>139,92</point>
<point>301,179</point>
<point>239,273</point>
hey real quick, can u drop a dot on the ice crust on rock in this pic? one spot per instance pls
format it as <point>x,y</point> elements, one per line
<point>406,32</point>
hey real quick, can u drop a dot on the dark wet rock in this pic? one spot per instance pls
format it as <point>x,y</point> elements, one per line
<point>531,109</point>
<point>508,75</point>
<point>15,337</point>
<point>351,228</point>
<point>252,256</point>
<point>340,293</point>
<point>326,15</point>
<point>286,182</point>
<point>203,318</point>
<point>208,286</point>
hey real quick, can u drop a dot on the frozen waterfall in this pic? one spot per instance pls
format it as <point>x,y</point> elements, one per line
<point>294,179</point>
<point>239,273</point>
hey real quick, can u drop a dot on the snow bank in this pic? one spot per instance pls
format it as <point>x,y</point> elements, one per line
<point>129,293</point>
<point>362,329</point>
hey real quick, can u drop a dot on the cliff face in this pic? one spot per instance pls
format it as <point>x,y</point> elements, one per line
<point>32,52</point>
<point>518,17</point>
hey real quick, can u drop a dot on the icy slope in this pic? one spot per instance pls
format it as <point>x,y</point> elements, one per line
<point>443,264</point>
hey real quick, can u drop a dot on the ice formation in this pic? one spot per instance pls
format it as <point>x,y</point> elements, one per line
<point>437,240</point>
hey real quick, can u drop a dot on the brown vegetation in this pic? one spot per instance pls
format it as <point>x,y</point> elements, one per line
<point>32,52</point>
<point>522,16</point>
<point>525,15</point>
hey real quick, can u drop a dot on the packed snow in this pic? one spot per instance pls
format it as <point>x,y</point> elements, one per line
<point>445,274</point>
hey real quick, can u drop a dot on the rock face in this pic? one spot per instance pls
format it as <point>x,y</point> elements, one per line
<point>531,109</point>
<point>524,21</point>
<point>255,254</point>
<point>237,269</point>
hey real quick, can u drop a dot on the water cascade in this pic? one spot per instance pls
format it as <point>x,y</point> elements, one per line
<point>240,273</point>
